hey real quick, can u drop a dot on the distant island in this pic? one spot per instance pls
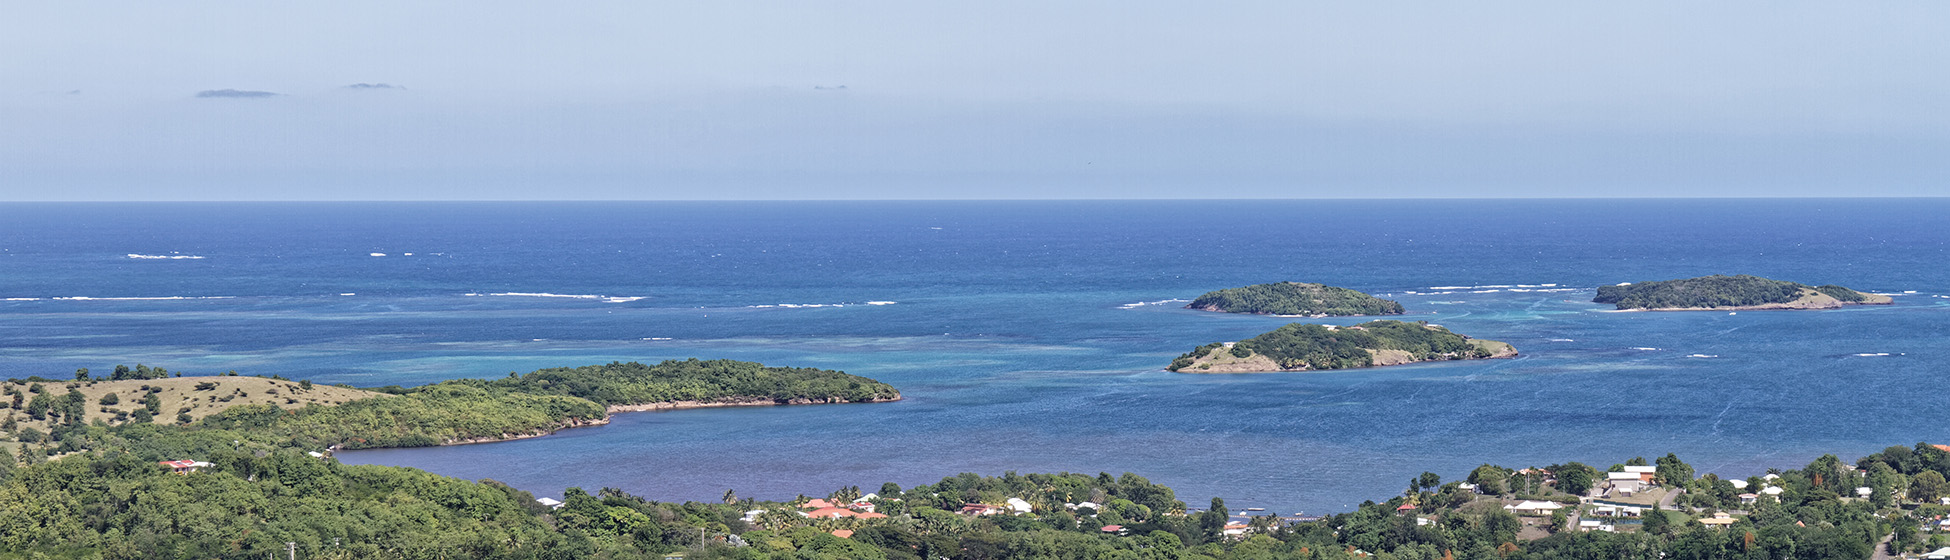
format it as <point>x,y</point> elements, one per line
<point>1297,299</point>
<point>1741,292</point>
<point>1308,347</point>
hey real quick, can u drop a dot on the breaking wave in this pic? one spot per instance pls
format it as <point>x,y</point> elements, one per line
<point>164,257</point>
<point>1159,302</point>
<point>602,298</point>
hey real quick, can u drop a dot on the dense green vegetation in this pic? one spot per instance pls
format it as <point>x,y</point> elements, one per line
<point>116,503</point>
<point>1295,298</point>
<point>447,412</point>
<point>1317,347</point>
<point>696,380</point>
<point>1716,291</point>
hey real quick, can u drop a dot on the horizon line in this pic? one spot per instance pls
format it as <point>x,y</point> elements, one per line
<point>612,200</point>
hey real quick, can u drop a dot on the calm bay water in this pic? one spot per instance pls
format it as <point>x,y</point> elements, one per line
<point>1027,336</point>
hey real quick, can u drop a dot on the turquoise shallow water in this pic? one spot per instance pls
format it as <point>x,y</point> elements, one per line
<point>1026,336</point>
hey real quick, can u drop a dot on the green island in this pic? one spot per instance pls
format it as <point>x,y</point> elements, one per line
<point>1310,347</point>
<point>99,488</point>
<point>1742,292</point>
<point>1297,299</point>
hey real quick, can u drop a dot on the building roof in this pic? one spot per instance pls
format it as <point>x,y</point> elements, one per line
<point>1405,507</point>
<point>1622,476</point>
<point>843,533</point>
<point>1536,504</point>
<point>869,515</point>
<point>830,512</point>
<point>1641,469</point>
<point>817,503</point>
<point>1112,528</point>
<point>1737,483</point>
<point>1720,518</point>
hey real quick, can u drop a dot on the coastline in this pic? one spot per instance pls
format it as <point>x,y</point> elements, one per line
<point>654,407</point>
<point>1875,299</point>
<point>1384,358</point>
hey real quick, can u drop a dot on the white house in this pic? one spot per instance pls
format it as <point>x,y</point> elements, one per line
<point>1770,477</point>
<point>552,503</point>
<point>1627,482</point>
<point>1534,507</point>
<point>1018,505</point>
<point>1938,554</point>
<point>752,516</point>
<point>1738,484</point>
<point>1864,492</point>
<point>1594,525</point>
<point>1771,491</point>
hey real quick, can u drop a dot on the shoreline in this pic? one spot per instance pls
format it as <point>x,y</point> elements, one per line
<point>645,407</point>
<point>1511,354</point>
<point>1791,306</point>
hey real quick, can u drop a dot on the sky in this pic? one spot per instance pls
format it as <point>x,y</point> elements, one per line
<point>639,100</point>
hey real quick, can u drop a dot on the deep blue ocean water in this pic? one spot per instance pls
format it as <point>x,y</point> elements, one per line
<point>1026,336</point>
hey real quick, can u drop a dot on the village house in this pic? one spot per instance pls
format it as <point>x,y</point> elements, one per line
<point>551,503</point>
<point>980,509</point>
<point>1534,507</point>
<point>183,467</point>
<point>1719,519</point>
<point>1646,472</point>
<point>1625,483</point>
<point>1595,525</point>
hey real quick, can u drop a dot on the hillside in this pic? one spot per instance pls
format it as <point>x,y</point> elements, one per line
<point>1295,299</point>
<point>177,399</point>
<point>1742,292</point>
<point>1307,347</point>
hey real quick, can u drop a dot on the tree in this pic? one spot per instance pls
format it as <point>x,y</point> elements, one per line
<point>730,497</point>
<point>109,399</point>
<point>1673,472</point>
<point>1656,522</point>
<point>1558,520</point>
<point>1428,480</point>
<point>1574,477</point>
<point>81,374</point>
<point>1490,479</point>
<point>1924,487</point>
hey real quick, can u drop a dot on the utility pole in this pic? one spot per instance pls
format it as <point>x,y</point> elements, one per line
<point>292,549</point>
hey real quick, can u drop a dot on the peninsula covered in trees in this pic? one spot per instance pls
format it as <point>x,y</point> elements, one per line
<point>1306,347</point>
<point>50,417</point>
<point>1295,299</point>
<point>1741,292</point>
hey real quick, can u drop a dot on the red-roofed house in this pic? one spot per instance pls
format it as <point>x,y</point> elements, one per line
<point>183,467</point>
<point>869,515</point>
<point>1941,447</point>
<point>817,503</point>
<point>1405,508</point>
<point>1112,529</point>
<point>843,533</point>
<point>980,509</point>
<point>832,512</point>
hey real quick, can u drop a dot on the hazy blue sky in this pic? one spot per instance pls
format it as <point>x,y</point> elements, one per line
<point>991,99</point>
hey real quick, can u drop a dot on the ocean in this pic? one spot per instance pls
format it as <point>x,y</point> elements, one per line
<point>1026,336</point>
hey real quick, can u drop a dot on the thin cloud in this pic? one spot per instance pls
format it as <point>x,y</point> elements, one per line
<point>374,86</point>
<point>236,93</point>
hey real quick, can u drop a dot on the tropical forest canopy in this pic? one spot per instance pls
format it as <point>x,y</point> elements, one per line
<point>1295,298</point>
<point>1716,291</point>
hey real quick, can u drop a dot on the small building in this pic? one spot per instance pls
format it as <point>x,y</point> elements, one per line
<point>1080,505</point>
<point>1534,507</point>
<point>843,533</point>
<point>1771,491</point>
<point>1864,492</point>
<point>1588,525</point>
<point>1738,484</point>
<point>1118,529</point>
<point>1770,477</point>
<point>1938,554</point>
<point>183,467</point>
<point>1626,482</point>
<point>551,503</point>
<point>1719,519</point>
<point>830,513</point>
<point>817,503</point>
<point>869,515</point>
<point>980,509</point>
<point>1469,487</point>
<point>1019,505</point>
<point>1749,498</point>
<point>1406,509</point>
<point>752,516</point>
<point>1646,472</point>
